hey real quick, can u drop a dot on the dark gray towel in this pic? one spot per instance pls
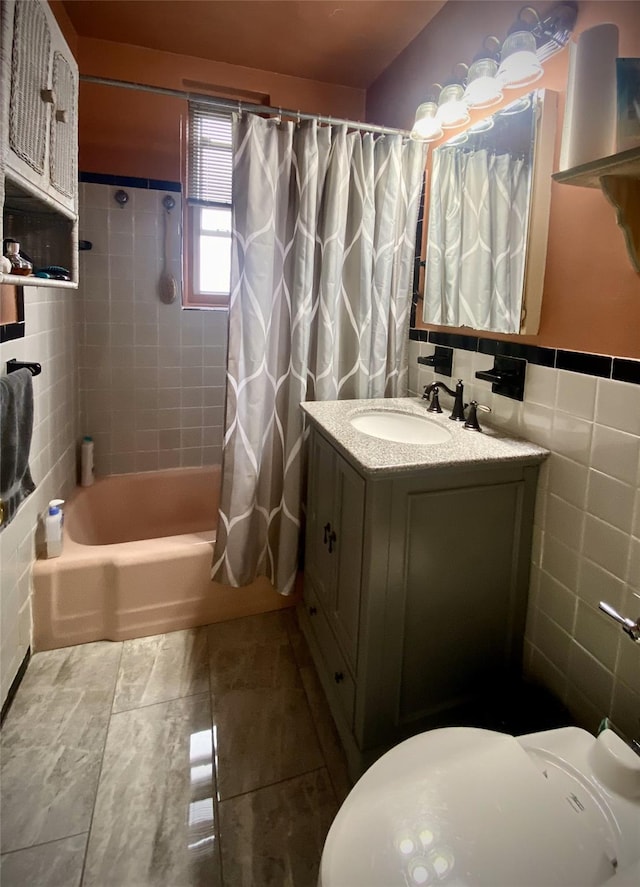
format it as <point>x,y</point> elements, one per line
<point>16,428</point>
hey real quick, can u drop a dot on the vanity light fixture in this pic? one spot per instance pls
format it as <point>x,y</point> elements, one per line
<point>530,42</point>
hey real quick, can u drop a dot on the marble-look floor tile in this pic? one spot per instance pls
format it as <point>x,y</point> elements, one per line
<point>330,744</point>
<point>161,668</point>
<point>154,821</point>
<point>274,837</point>
<point>296,639</point>
<point>52,743</point>
<point>251,653</point>
<point>57,864</point>
<point>262,736</point>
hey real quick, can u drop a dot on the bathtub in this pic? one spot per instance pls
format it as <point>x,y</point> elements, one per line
<point>136,561</point>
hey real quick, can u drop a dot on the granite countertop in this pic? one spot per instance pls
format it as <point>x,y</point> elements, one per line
<point>375,456</point>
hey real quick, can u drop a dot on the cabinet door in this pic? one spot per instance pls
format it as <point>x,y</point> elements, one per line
<point>28,105</point>
<point>344,615</point>
<point>461,599</point>
<point>63,140</point>
<point>321,520</point>
<point>334,541</point>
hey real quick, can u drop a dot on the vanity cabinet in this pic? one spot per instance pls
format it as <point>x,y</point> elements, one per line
<point>39,151</point>
<point>415,590</point>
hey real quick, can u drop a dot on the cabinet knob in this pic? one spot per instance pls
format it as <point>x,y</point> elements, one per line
<point>338,677</point>
<point>48,96</point>
<point>313,611</point>
<point>62,116</point>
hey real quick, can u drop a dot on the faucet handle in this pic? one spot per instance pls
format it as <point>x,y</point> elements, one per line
<point>471,423</point>
<point>432,391</point>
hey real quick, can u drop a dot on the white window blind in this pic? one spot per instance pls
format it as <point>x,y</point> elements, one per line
<point>210,156</point>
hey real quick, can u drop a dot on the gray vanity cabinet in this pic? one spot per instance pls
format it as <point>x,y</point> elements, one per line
<point>419,606</point>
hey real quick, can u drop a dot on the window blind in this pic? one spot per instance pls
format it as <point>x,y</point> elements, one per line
<point>210,156</point>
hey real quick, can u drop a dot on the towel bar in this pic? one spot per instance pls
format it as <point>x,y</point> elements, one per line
<point>34,368</point>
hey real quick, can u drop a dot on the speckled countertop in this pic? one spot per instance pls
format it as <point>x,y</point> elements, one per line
<point>375,456</point>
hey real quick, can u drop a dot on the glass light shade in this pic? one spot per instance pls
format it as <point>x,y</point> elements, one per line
<point>520,64</point>
<point>427,127</point>
<point>452,109</point>
<point>483,90</point>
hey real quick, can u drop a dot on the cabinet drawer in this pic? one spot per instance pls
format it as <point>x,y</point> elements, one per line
<point>336,672</point>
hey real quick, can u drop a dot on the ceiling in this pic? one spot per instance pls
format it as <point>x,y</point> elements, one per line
<point>349,42</point>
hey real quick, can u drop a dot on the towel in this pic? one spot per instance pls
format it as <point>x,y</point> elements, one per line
<point>16,427</point>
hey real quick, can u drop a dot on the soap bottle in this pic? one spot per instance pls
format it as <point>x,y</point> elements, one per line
<point>86,461</point>
<point>53,530</point>
<point>19,265</point>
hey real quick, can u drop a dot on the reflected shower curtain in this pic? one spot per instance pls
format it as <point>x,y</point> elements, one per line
<point>324,239</point>
<point>478,222</point>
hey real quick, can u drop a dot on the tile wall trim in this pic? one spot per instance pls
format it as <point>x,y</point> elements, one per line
<point>98,178</point>
<point>600,365</point>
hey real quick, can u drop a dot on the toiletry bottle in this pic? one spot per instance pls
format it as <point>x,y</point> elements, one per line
<point>19,265</point>
<point>53,531</point>
<point>86,461</point>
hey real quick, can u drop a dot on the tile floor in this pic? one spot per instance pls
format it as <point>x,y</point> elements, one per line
<point>198,757</point>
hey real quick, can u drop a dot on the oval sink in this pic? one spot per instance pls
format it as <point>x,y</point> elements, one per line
<point>400,427</point>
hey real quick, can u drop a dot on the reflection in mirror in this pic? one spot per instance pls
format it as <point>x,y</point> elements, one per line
<point>488,220</point>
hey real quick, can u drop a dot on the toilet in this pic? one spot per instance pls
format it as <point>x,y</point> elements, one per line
<point>463,806</point>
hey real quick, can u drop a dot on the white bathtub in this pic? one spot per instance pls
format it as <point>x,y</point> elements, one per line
<point>136,561</point>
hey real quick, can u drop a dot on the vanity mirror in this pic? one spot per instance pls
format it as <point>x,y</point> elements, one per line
<point>488,220</point>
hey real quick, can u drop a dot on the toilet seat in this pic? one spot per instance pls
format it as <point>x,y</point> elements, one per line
<point>463,806</point>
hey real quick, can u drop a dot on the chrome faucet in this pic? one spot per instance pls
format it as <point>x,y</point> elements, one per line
<point>432,391</point>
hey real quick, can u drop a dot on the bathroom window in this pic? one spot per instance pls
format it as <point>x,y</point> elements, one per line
<point>210,158</point>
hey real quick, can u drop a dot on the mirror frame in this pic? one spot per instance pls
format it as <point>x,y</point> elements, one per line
<point>538,218</point>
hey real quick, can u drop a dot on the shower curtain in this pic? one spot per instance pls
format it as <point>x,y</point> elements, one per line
<point>478,218</point>
<point>324,224</point>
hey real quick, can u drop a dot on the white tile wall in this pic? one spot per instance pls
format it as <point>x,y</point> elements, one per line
<point>152,376</point>
<point>50,316</point>
<point>586,534</point>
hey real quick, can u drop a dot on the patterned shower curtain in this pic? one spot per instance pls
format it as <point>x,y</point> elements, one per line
<point>324,224</point>
<point>478,222</point>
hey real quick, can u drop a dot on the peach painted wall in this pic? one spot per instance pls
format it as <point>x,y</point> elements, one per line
<point>591,296</point>
<point>138,134</point>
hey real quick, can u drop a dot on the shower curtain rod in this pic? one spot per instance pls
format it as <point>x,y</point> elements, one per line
<point>250,107</point>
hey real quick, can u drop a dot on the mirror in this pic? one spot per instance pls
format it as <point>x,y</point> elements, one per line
<point>488,220</point>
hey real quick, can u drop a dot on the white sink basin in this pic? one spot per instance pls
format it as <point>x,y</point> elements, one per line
<point>400,427</point>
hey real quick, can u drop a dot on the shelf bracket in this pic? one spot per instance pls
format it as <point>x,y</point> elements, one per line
<point>623,193</point>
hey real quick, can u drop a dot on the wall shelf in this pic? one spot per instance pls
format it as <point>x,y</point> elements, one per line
<point>618,176</point>
<point>38,281</point>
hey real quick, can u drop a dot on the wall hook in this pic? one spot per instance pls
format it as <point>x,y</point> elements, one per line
<point>121,197</point>
<point>168,202</point>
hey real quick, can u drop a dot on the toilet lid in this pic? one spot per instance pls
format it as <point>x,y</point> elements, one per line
<point>461,806</point>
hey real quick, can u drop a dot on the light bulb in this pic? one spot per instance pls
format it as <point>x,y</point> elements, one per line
<point>427,127</point>
<point>483,90</point>
<point>520,64</point>
<point>452,109</point>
